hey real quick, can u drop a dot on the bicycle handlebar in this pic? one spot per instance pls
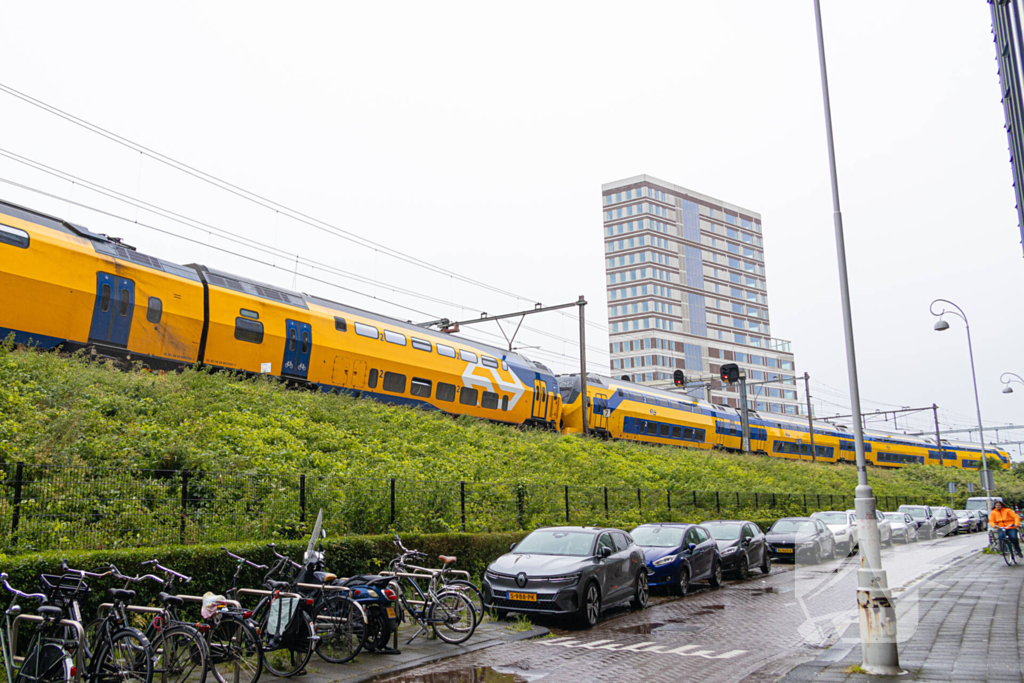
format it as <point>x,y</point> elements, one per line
<point>242,560</point>
<point>134,579</point>
<point>18,593</point>
<point>165,570</point>
<point>81,572</point>
<point>293,563</point>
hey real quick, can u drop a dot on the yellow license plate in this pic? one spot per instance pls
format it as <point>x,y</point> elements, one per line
<point>391,612</point>
<point>783,550</point>
<point>524,597</point>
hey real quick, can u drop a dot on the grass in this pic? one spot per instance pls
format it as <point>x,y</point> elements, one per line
<point>520,624</point>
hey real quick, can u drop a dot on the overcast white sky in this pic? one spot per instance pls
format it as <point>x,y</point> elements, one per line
<point>476,137</point>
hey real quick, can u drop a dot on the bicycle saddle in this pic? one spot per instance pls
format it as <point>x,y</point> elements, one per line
<point>50,611</point>
<point>447,559</point>
<point>121,595</point>
<point>325,577</point>
<point>168,599</point>
<point>279,586</point>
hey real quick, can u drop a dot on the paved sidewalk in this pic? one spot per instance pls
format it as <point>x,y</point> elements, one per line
<point>959,625</point>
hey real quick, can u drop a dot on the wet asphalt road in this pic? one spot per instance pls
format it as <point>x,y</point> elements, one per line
<point>752,631</point>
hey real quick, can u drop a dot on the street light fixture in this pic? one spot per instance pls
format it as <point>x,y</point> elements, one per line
<point>1008,377</point>
<point>940,326</point>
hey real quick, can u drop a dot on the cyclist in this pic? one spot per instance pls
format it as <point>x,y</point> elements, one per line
<point>1006,521</point>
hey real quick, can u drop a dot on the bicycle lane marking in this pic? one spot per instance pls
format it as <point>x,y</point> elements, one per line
<point>639,648</point>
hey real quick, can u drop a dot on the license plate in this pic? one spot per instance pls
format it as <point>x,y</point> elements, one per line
<point>391,612</point>
<point>523,597</point>
<point>783,550</point>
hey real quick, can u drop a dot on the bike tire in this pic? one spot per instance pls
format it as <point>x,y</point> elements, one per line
<point>378,629</point>
<point>182,655</point>
<point>126,657</point>
<point>456,614</point>
<point>46,663</point>
<point>235,655</point>
<point>287,655</point>
<point>341,625</point>
<point>476,598</point>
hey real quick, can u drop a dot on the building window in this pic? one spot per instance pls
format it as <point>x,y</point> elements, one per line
<point>154,310</point>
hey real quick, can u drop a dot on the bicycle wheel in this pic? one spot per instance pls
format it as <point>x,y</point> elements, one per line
<point>181,655</point>
<point>476,598</point>
<point>46,663</point>
<point>452,617</point>
<point>340,623</point>
<point>234,651</point>
<point>125,657</point>
<point>378,629</point>
<point>288,654</point>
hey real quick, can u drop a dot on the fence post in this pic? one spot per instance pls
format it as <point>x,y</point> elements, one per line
<point>520,506</point>
<point>462,498</point>
<point>566,503</point>
<point>669,499</point>
<point>302,498</point>
<point>606,502</point>
<point>184,504</point>
<point>19,475</point>
<point>805,502</point>
<point>773,500</point>
<point>392,501</point>
<point>639,501</point>
<point>819,502</point>
<point>694,500</point>
<point>718,503</point>
<point>757,503</point>
<point>737,500</point>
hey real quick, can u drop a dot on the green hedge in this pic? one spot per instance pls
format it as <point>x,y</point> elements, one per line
<point>211,569</point>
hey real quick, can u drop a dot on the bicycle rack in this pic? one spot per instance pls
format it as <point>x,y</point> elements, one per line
<point>258,591</point>
<point>461,572</point>
<point>196,598</point>
<point>79,651</point>
<point>141,609</point>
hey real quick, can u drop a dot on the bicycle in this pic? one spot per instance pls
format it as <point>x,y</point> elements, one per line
<point>116,652</point>
<point>1009,545</point>
<point>469,589</point>
<point>448,613</point>
<point>49,657</point>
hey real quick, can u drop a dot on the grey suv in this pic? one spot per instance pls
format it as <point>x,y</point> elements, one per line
<point>924,518</point>
<point>568,570</point>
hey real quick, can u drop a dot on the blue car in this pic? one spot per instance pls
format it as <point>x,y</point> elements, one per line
<point>679,554</point>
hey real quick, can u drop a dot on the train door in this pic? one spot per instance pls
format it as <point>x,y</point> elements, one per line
<point>341,376</point>
<point>540,400</point>
<point>112,312</point>
<point>598,414</point>
<point>358,374</point>
<point>297,348</point>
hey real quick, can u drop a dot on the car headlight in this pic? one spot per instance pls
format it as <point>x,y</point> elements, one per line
<point>729,551</point>
<point>668,559</point>
<point>565,580</point>
<point>804,546</point>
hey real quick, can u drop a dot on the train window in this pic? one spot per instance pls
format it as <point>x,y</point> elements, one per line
<point>291,339</point>
<point>340,325</point>
<point>445,392</point>
<point>467,356</point>
<point>489,400</point>
<point>446,351</point>
<point>246,313</point>
<point>639,398</point>
<point>652,428</point>
<point>664,430</point>
<point>105,298</point>
<point>504,402</point>
<point>13,236</point>
<point>154,310</point>
<point>367,331</point>
<point>488,362</point>
<point>620,393</point>
<point>467,396</point>
<point>421,344</point>
<point>371,381</point>
<point>123,302</point>
<point>691,434</point>
<point>394,337</point>
<point>248,331</point>
<point>394,382</point>
<point>305,341</point>
<point>677,432</point>
<point>420,387</point>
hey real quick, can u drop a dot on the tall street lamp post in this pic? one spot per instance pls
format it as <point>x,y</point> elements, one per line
<point>941,326</point>
<point>874,600</point>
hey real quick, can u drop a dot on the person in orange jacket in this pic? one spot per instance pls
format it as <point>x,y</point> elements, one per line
<point>1006,521</point>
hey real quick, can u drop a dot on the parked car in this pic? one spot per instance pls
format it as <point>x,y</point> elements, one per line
<point>843,526</point>
<point>981,518</point>
<point>679,554</point>
<point>795,537</point>
<point>923,517</point>
<point>884,528</point>
<point>741,546</point>
<point>570,570</point>
<point>903,526</point>
<point>945,521</point>
<point>966,522</point>
<point>981,503</point>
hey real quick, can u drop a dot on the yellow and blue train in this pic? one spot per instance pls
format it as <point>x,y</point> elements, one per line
<point>66,287</point>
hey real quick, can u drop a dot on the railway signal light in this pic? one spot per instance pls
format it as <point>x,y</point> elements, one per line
<point>678,378</point>
<point>730,373</point>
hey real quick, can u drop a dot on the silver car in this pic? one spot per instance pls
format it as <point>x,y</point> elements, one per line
<point>568,570</point>
<point>904,528</point>
<point>843,526</point>
<point>884,528</point>
<point>966,522</point>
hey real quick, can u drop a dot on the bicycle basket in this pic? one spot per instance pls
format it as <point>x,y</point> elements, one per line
<point>280,615</point>
<point>61,590</point>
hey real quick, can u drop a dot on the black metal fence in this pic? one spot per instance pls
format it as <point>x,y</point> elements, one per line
<point>50,507</point>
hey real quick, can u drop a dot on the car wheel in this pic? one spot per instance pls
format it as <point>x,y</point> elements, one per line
<point>743,572</point>
<point>832,552</point>
<point>501,614</point>
<point>716,575</point>
<point>590,608</point>
<point>640,589</point>
<point>683,584</point>
<point>766,565</point>
<point>889,544</point>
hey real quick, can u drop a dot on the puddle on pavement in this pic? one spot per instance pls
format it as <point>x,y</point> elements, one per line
<point>769,590</point>
<point>656,627</point>
<point>476,674</point>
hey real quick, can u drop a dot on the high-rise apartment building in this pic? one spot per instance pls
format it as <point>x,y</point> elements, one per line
<point>686,290</point>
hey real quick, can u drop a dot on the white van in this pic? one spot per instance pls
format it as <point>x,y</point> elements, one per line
<point>982,503</point>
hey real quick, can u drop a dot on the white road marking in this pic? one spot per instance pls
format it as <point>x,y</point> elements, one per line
<point>639,648</point>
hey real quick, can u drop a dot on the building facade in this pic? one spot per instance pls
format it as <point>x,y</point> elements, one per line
<point>686,291</point>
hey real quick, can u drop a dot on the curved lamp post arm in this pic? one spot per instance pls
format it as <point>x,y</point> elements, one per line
<point>1008,377</point>
<point>959,312</point>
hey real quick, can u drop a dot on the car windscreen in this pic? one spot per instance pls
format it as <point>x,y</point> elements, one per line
<point>724,532</point>
<point>916,513</point>
<point>788,526</point>
<point>658,536</point>
<point>962,513</point>
<point>980,504</point>
<point>575,543</point>
<point>832,517</point>
<point>894,516</point>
